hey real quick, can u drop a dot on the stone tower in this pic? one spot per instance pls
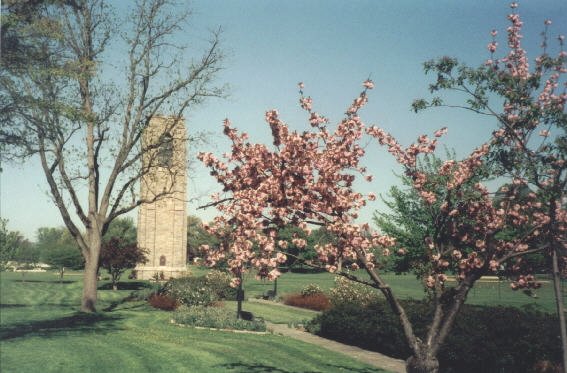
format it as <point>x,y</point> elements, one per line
<point>162,224</point>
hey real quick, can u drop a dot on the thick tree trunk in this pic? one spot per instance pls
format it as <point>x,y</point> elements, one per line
<point>90,283</point>
<point>560,308</point>
<point>88,302</point>
<point>422,363</point>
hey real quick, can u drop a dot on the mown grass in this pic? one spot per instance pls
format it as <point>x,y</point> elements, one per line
<point>42,332</point>
<point>275,313</point>
<point>486,292</point>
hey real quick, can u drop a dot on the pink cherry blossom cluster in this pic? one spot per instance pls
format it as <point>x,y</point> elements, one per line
<point>306,177</point>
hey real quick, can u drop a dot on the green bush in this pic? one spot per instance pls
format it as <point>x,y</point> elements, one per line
<point>346,291</point>
<point>483,339</point>
<point>219,282</point>
<point>200,291</point>
<point>215,317</point>
<point>311,289</point>
<point>190,291</point>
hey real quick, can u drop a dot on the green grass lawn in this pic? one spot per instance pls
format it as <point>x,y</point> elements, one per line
<point>42,332</point>
<point>275,313</point>
<point>406,286</point>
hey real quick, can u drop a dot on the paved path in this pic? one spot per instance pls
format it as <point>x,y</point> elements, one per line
<point>371,358</point>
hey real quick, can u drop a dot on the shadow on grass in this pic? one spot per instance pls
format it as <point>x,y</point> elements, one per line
<point>15,305</point>
<point>43,281</point>
<point>131,285</point>
<point>356,370</point>
<point>257,368</point>
<point>80,322</point>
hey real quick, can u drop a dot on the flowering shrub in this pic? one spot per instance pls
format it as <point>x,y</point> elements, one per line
<point>190,291</point>
<point>314,301</point>
<point>311,289</point>
<point>346,291</point>
<point>213,317</point>
<point>220,283</point>
<point>204,290</point>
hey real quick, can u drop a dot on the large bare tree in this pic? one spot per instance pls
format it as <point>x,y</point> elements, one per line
<point>78,87</point>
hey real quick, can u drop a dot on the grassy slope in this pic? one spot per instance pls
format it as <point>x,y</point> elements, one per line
<point>42,332</point>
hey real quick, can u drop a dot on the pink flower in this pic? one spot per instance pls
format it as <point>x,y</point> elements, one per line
<point>493,33</point>
<point>234,282</point>
<point>368,84</point>
<point>547,22</point>
<point>300,85</point>
<point>440,132</point>
<point>372,196</point>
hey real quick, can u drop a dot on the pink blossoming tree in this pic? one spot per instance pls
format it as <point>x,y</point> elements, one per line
<point>307,179</point>
<point>530,145</point>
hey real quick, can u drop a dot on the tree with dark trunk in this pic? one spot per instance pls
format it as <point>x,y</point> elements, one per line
<point>69,106</point>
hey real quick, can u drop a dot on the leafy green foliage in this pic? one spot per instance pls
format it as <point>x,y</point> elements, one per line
<point>200,291</point>
<point>346,291</point>
<point>296,255</point>
<point>215,317</point>
<point>122,228</point>
<point>485,339</point>
<point>197,236</point>
<point>219,283</point>
<point>11,244</point>
<point>58,249</point>
<point>311,289</point>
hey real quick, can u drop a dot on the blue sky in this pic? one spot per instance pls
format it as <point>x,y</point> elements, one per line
<point>332,46</point>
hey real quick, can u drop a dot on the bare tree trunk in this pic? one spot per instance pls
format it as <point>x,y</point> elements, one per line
<point>560,307</point>
<point>88,302</point>
<point>90,282</point>
<point>423,362</point>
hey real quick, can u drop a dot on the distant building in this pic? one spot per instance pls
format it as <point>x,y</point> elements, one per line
<point>162,225</point>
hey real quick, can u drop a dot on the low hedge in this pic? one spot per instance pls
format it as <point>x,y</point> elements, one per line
<point>483,339</point>
<point>215,317</point>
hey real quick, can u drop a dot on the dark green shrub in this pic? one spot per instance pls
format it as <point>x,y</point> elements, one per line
<point>483,339</point>
<point>213,317</point>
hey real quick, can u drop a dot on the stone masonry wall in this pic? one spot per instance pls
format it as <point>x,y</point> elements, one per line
<point>162,225</point>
